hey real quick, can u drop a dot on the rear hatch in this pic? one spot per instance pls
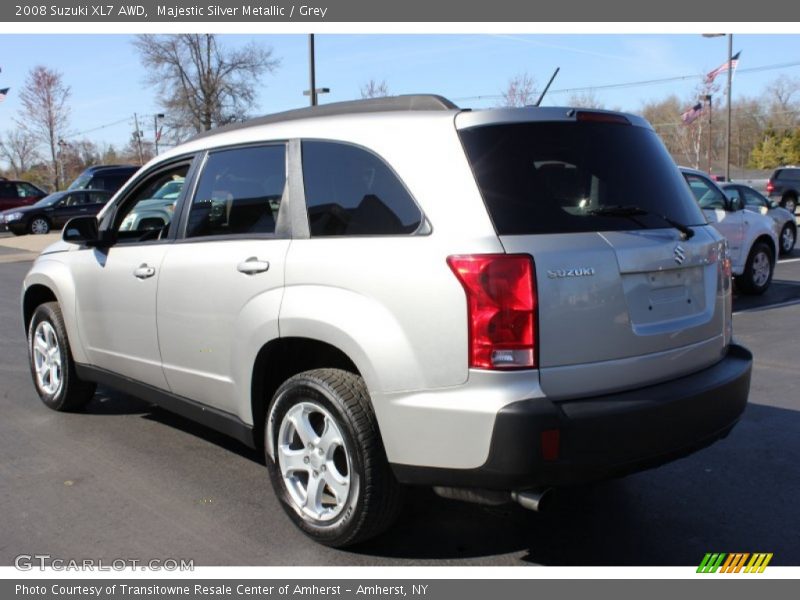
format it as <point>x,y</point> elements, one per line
<point>625,298</point>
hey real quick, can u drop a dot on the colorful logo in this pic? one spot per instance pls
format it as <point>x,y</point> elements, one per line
<point>735,562</point>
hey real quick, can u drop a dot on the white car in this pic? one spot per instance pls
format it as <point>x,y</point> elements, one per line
<point>752,239</point>
<point>785,223</point>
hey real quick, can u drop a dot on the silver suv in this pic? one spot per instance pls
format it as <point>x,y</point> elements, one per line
<point>398,292</point>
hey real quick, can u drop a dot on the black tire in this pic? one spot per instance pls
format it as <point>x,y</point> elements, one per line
<point>72,393</point>
<point>374,497</point>
<point>789,202</point>
<point>44,224</point>
<point>788,238</point>
<point>747,281</point>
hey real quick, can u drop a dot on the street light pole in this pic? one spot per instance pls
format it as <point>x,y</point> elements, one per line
<point>708,149</point>
<point>156,135</point>
<point>311,70</point>
<point>728,134</point>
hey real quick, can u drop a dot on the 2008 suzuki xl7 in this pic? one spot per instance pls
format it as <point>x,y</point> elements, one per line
<point>397,291</point>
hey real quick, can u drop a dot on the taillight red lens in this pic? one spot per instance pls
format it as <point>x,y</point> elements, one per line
<point>501,309</point>
<point>770,187</point>
<point>599,117</point>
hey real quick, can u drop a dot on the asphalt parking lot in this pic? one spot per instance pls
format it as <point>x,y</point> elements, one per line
<point>128,480</point>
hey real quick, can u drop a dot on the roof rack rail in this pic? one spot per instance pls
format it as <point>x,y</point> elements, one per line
<point>406,102</point>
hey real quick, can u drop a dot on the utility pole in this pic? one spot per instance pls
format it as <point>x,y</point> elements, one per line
<point>311,71</point>
<point>728,135</point>
<point>156,134</point>
<point>138,136</point>
<point>708,149</point>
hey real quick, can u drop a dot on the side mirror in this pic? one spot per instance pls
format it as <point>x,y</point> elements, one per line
<point>84,230</point>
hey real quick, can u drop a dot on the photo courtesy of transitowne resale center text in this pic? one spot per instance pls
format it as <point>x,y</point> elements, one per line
<point>423,300</point>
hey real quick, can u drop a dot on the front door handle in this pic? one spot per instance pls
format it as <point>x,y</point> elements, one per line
<point>252,265</point>
<point>144,271</point>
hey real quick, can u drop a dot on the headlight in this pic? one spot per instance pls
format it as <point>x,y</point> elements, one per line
<point>15,216</point>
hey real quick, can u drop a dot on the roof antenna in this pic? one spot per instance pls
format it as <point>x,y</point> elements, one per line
<point>547,87</point>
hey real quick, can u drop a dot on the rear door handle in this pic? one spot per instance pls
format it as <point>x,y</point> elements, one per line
<point>252,265</point>
<point>144,271</point>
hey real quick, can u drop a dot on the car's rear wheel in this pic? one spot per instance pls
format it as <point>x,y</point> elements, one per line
<point>788,238</point>
<point>52,366</point>
<point>326,459</point>
<point>758,270</point>
<point>39,225</point>
<point>789,202</point>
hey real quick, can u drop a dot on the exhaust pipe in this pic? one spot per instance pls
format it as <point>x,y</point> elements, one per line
<point>536,500</point>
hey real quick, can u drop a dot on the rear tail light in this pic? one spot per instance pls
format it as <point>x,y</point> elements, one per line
<point>770,187</point>
<point>501,309</point>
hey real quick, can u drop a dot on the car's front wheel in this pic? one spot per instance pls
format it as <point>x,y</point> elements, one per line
<point>52,366</point>
<point>326,459</point>
<point>39,225</point>
<point>788,238</point>
<point>758,270</point>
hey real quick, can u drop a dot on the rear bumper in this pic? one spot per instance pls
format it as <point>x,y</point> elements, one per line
<point>604,436</point>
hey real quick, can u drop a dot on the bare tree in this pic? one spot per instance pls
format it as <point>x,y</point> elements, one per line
<point>201,83</point>
<point>374,89</point>
<point>45,114</point>
<point>19,149</point>
<point>520,91</point>
<point>586,99</point>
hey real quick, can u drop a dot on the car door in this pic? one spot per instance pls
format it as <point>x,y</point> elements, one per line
<point>8,195</point>
<point>722,213</point>
<point>116,287</point>
<point>222,281</point>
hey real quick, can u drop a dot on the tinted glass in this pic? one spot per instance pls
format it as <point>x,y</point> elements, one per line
<point>350,191</point>
<point>790,174</point>
<point>549,177</point>
<point>753,198</point>
<point>81,181</point>
<point>8,190</point>
<point>239,192</point>
<point>98,197</point>
<point>706,193</point>
<point>26,190</point>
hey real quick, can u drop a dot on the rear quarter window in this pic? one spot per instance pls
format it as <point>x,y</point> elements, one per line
<point>351,191</point>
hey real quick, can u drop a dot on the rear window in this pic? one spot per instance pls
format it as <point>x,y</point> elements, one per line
<point>790,174</point>
<point>549,177</point>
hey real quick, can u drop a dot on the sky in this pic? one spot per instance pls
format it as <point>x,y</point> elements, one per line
<point>108,81</point>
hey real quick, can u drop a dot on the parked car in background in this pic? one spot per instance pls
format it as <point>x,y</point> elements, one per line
<point>752,237</point>
<point>785,221</point>
<point>157,212</point>
<point>784,187</point>
<point>103,177</point>
<point>53,211</point>
<point>15,193</point>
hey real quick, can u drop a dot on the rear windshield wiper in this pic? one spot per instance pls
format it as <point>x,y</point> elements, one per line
<point>617,210</point>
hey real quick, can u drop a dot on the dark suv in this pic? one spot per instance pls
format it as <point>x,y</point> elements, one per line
<point>14,193</point>
<point>784,187</point>
<point>103,177</point>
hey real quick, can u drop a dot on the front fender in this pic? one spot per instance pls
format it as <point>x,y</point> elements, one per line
<point>50,272</point>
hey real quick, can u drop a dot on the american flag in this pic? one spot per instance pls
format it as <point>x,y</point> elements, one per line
<point>728,64</point>
<point>4,93</point>
<point>691,115</point>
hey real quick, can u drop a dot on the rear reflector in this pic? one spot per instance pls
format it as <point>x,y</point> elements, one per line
<point>550,442</point>
<point>501,309</point>
<point>600,117</point>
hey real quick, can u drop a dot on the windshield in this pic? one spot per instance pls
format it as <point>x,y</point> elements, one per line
<point>81,182</point>
<point>557,177</point>
<point>171,189</point>
<point>49,200</point>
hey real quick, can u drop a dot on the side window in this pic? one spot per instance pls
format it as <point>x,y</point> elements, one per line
<point>8,190</point>
<point>753,199</point>
<point>350,191</point>
<point>70,200</point>
<point>26,190</point>
<point>706,194</point>
<point>98,198</point>
<point>141,216</point>
<point>239,192</point>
